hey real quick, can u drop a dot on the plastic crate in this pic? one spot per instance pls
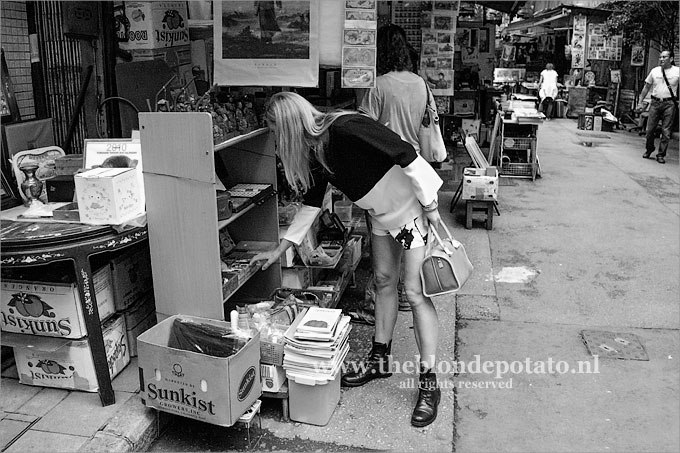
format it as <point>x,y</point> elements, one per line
<point>517,169</point>
<point>518,142</point>
<point>271,353</point>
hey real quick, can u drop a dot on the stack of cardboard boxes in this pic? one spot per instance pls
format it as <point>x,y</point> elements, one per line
<point>43,321</point>
<point>41,317</point>
<point>157,30</point>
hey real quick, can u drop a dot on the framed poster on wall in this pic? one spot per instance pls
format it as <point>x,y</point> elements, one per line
<point>8,103</point>
<point>267,43</point>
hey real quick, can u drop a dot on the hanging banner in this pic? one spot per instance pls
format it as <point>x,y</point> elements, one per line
<point>359,44</point>
<point>438,47</point>
<point>578,42</point>
<point>603,47</point>
<point>266,43</point>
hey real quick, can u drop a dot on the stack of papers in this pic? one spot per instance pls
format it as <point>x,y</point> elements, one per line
<point>316,344</point>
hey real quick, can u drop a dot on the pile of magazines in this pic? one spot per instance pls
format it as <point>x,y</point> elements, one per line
<point>316,344</point>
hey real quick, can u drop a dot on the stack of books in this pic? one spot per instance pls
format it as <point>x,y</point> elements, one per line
<point>316,344</point>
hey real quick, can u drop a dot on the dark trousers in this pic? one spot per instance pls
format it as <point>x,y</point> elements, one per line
<point>547,107</point>
<point>664,111</point>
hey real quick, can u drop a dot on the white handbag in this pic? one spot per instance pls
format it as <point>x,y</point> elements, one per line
<point>430,139</point>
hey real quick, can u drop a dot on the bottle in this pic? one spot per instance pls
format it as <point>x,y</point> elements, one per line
<point>243,318</point>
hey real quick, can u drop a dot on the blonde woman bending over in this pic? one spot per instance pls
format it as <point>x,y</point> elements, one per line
<point>384,175</point>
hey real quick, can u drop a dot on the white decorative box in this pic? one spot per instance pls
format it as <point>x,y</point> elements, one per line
<point>109,196</point>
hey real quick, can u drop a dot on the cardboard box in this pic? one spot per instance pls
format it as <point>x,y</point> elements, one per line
<point>273,377</point>
<point>156,24</point>
<point>215,390</point>
<point>178,60</point>
<point>55,362</point>
<point>131,277</point>
<point>296,277</point>
<point>109,196</point>
<point>134,332</point>
<point>463,106</point>
<point>60,188</point>
<point>51,309</point>
<point>138,318</point>
<point>480,184</point>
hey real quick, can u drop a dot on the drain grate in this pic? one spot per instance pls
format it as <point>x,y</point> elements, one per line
<point>613,345</point>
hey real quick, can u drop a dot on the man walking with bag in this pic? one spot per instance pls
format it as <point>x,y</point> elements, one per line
<point>663,81</point>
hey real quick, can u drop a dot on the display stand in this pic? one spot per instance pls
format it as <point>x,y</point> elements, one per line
<point>519,158</point>
<point>37,243</point>
<point>180,184</point>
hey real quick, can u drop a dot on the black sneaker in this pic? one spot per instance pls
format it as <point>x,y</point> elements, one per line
<point>647,155</point>
<point>660,159</point>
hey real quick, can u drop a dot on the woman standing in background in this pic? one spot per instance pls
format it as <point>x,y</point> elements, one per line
<point>547,89</point>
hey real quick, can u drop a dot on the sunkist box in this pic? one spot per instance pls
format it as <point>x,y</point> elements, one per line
<point>480,184</point>
<point>55,362</point>
<point>51,309</point>
<point>109,196</point>
<point>156,24</point>
<point>216,390</point>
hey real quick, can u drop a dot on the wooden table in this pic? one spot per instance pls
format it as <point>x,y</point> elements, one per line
<point>35,243</point>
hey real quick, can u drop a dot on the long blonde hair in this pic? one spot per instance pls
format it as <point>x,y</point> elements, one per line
<point>299,127</point>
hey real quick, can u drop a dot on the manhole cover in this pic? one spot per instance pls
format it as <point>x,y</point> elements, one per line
<point>613,345</point>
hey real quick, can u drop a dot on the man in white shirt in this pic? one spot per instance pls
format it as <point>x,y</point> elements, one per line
<point>663,81</point>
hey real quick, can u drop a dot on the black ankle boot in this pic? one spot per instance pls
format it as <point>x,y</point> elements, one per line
<point>375,366</point>
<point>429,395</point>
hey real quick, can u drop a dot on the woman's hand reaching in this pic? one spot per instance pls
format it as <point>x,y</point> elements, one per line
<point>266,258</point>
<point>272,256</point>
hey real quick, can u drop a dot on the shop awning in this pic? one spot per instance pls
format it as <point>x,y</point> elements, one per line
<point>554,17</point>
<point>508,6</point>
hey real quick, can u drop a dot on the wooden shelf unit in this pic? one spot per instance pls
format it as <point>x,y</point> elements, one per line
<point>180,184</point>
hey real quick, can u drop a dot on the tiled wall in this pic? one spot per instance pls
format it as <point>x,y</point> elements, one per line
<point>14,40</point>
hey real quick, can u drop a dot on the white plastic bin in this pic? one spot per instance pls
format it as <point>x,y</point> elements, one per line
<point>313,402</point>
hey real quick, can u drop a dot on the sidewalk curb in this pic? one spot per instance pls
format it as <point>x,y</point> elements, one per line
<point>134,428</point>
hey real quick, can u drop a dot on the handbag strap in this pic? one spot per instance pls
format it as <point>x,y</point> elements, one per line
<point>426,114</point>
<point>451,239</point>
<point>670,90</point>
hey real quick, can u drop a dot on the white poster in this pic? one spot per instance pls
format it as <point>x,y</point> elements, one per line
<point>266,43</point>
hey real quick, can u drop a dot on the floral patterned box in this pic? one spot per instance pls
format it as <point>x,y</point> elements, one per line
<point>109,196</point>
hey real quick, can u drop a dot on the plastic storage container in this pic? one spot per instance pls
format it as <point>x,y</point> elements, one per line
<point>343,208</point>
<point>313,402</point>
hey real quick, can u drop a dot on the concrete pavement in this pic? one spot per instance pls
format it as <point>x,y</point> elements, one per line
<point>592,245</point>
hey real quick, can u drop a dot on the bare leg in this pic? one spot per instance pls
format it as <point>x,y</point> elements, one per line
<point>386,257</point>
<point>425,319</point>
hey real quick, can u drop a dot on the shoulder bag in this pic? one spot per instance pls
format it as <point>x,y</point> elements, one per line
<point>446,266</point>
<point>670,90</point>
<point>430,139</point>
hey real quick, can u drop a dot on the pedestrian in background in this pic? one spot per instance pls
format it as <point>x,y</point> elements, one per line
<point>547,89</point>
<point>398,99</point>
<point>663,81</point>
<point>384,175</point>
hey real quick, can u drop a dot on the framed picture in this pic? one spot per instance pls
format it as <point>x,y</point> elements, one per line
<point>637,56</point>
<point>269,43</point>
<point>8,103</point>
